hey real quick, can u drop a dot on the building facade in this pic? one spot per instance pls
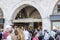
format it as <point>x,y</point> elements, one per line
<point>10,9</point>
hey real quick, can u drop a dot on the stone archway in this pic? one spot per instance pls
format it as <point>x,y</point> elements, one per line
<point>28,15</point>
<point>23,4</point>
<point>56,9</point>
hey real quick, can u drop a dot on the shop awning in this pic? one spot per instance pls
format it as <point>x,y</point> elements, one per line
<point>26,20</point>
<point>55,17</point>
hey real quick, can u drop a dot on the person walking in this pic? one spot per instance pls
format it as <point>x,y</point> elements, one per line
<point>0,34</point>
<point>41,35</point>
<point>26,33</point>
<point>52,35</point>
<point>9,37</point>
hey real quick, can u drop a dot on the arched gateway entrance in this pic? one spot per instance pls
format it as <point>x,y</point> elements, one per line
<point>28,16</point>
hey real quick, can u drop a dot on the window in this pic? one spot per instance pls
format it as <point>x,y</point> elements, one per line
<point>56,25</point>
<point>57,8</point>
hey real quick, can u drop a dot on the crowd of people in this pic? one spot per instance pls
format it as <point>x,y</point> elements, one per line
<point>23,33</point>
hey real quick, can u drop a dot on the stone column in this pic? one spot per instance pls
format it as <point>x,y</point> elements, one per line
<point>46,24</point>
<point>7,22</point>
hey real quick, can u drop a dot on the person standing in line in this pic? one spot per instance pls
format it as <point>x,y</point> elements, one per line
<point>52,35</point>
<point>6,32</point>
<point>0,34</point>
<point>46,35</point>
<point>36,35</point>
<point>26,33</point>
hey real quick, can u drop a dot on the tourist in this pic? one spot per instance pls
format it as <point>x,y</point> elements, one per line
<point>19,34</point>
<point>36,35</point>
<point>41,34</point>
<point>46,35</point>
<point>6,32</point>
<point>0,34</point>
<point>58,37</point>
<point>9,37</point>
<point>26,34</point>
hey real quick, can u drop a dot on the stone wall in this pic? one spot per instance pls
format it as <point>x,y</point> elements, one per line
<point>11,7</point>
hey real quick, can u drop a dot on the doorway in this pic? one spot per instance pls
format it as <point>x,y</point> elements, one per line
<point>28,16</point>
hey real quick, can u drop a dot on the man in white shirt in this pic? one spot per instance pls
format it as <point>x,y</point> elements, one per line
<point>26,34</point>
